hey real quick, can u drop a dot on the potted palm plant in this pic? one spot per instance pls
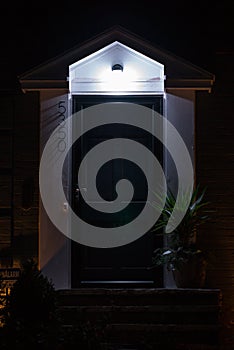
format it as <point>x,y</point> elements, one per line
<point>180,253</point>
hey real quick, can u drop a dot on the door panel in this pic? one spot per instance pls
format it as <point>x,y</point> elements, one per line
<point>131,262</point>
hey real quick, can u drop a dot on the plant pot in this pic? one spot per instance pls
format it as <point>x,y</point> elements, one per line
<point>192,273</point>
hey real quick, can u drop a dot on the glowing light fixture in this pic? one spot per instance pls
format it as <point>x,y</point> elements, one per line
<point>115,81</point>
<point>117,78</point>
<point>117,68</point>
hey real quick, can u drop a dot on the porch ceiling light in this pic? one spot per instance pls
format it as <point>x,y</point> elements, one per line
<point>117,67</point>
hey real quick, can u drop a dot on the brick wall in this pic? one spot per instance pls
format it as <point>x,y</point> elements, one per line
<point>19,164</point>
<point>214,168</point>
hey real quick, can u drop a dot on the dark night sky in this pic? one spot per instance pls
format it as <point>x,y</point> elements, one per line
<point>32,32</point>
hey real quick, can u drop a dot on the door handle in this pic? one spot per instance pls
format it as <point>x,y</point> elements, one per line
<point>78,190</point>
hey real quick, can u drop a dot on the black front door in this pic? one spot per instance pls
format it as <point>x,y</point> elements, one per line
<point>129,263</point>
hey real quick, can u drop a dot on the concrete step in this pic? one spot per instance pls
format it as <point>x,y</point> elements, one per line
<point>146,318</point>
<point>138,296</point>
<point>183,314</point>
<point>161,333</point>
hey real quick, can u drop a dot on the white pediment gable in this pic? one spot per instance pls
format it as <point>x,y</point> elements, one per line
<point>87,62</point>
<point>93,74</point>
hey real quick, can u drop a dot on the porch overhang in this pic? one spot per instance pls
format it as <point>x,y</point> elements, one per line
<point>190,84</point>
<point>54,74</point>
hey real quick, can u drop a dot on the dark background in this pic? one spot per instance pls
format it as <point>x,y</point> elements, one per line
<point>200,32</point>
<point>32,32</point>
